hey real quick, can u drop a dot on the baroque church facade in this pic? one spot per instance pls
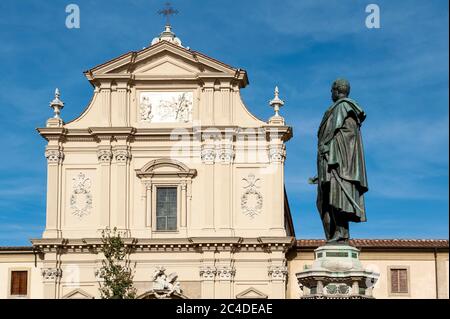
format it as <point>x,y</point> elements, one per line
<point>167,152</point>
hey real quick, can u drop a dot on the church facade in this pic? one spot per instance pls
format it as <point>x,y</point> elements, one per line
<point>167,152</point>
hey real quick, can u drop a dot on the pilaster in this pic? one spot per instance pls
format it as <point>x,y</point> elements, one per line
<point>208,274</point>
<point>223,172</point>
<point>225,281</point>
<point>120,187</point>
<point>104,155</point>
<point>277,273</point>
<point>105,100</point>
<point>277,155</point>
<point>55,156</point>
<point>208,156</point>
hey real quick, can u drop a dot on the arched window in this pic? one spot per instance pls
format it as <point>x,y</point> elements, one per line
<point>167,192</point>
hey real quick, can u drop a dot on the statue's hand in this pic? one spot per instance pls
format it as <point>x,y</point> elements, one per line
<point>313,180</point>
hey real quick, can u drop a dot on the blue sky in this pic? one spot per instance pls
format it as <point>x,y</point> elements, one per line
<point>398,73</point>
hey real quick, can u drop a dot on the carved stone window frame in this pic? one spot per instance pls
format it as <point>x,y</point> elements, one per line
<point>166,172</point>
<point>408,278</point>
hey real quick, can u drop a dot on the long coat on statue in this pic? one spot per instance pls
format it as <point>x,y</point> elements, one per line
<point>341,149</point>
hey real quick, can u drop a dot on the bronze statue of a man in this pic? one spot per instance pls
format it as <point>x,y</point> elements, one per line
<point>341,178</point>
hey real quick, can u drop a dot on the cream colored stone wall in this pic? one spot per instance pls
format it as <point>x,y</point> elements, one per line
<point>108,144</point>
<point>9,262</point>
<point>249,271</point>
<point>251,275</point>
<point>104,168</point>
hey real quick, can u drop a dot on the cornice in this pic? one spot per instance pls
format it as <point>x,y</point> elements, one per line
<point>112,130</point>
<point>197,244</point>
<point>52,133</point>
<point>284,132</point>
<point>163,133</point>
<point>105,70</point>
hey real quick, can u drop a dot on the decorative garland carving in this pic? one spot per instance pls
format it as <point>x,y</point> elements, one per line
<point>226,272</point>
<point>277,153</point>
<point>278,272</point>
<point>208,154</point>
<point>337,289</point>
<point>81,198</point>
<point>122,156</point>
<point>208,272</point>
<point>51,273</point>
<point>251,199</point>
<point>226,154</point>
<point>104,156</point>
<point>54,156</point>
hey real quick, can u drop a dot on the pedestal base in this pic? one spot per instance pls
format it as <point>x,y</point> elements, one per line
<point>336,273</point>
<point>55,122</point>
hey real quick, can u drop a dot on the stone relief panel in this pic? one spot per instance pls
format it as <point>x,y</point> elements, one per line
<point>165,107</point>
<point>251,199</point>
<point>337,289</point>
<point>81,196</point>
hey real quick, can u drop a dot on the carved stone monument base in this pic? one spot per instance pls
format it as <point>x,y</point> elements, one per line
<point>336,273</point>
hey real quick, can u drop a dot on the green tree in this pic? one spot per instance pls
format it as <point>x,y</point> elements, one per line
<point>116,273</point>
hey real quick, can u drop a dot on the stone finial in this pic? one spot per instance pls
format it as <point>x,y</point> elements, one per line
<point>276,103</point>
<point>57,105</point>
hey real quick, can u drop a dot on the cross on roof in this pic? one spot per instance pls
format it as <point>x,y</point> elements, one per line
<point>167,12</point>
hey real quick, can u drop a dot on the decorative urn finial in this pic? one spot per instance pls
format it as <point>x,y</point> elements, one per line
<point>276,103</point>
<point>57,105</point>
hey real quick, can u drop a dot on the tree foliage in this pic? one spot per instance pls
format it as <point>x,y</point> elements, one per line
<point>116,273</point>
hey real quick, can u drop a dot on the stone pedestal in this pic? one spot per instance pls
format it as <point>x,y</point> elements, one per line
<point>55,122</point>
<point>336,273</point>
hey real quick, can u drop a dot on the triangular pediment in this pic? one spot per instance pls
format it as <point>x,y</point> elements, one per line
<point>251,293</point>
<point>167,63</point>
<point>166,66</point>
<point>164,59</point>
<point>78,294</point>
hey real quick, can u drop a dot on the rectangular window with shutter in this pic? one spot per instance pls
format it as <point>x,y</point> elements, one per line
<point>399,280</point>
<point>19,283</point>
<point>166,208</point>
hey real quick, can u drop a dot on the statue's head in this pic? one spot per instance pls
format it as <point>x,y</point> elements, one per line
<point>340,89</point>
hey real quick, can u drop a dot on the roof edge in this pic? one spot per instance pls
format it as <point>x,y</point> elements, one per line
<point>380,243</point>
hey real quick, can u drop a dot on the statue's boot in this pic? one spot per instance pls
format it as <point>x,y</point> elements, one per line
<point>334,240</point>
<point>337,239</point>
